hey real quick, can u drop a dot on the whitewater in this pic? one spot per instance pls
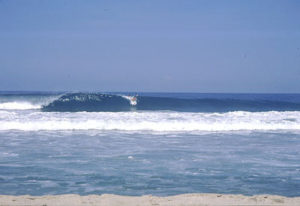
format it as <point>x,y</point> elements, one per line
<point>150,121</point>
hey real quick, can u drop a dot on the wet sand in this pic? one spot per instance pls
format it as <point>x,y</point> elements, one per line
<point>147,200</point>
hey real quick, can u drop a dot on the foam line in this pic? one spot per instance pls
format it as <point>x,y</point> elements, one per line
<point>150,121</point>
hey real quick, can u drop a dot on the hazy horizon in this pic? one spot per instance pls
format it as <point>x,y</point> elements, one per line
<point>146,92</point>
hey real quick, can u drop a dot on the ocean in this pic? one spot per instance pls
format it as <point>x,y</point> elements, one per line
<point>149,143</point>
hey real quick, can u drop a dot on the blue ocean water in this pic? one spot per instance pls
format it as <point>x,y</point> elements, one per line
<point>160,143</point>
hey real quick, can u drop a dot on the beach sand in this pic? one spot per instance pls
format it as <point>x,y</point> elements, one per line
<point>147,200</point>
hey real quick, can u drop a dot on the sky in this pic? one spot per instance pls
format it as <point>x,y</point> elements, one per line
<point>150,46</point>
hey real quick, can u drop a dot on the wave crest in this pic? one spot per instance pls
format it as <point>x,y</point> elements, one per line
<point>89,102</point>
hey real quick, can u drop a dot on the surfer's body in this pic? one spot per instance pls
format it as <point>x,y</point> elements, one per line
<point>133,100</point>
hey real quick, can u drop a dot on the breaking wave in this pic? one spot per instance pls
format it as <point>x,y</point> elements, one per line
<point>26,101</point>
<point>95,102</point>
<point>96,111</point>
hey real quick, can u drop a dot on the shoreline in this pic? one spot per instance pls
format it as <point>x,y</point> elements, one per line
<point>194,199</point>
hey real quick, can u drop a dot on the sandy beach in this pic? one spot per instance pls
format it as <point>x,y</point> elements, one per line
<point>117,200</point>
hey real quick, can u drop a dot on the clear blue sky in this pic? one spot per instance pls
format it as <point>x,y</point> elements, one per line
<point>163,45</point>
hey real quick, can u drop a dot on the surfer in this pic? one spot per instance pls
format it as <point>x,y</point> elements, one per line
<point>133,100</point>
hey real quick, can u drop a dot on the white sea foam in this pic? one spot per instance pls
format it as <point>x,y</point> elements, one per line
<point>26,103</point>
<point>18,106</point>
<point>150,121</point>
